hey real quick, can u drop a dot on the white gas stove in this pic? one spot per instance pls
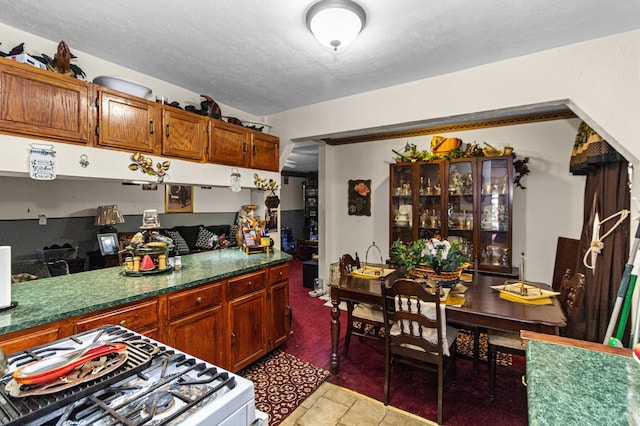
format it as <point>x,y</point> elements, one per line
<point>149,383</point>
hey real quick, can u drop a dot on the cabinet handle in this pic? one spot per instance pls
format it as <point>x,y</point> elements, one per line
<point>199,299</point>
<point>244,147</point>
<point>250,284</point>
<point>168,131</point>
<point>123,323</point>
<point>233,338</point>
<point>151,129</point>
<point>253,150</point>
<point>281,274</point>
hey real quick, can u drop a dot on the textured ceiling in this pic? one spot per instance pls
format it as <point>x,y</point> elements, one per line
<point>259,57</point>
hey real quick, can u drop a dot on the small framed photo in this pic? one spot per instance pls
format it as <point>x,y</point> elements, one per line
<point>178,199</point>
<point>108,243</point>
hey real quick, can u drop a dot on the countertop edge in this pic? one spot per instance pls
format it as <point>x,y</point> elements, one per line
<point>10,322</point>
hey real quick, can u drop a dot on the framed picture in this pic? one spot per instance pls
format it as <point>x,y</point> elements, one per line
<point>108,243</point>
<point>178,199</point>
<point>359,197</point>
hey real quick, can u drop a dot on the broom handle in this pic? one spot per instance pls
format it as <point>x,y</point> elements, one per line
<point>622,291</point>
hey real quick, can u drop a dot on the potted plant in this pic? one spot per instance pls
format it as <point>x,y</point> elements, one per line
<point>442,261</point>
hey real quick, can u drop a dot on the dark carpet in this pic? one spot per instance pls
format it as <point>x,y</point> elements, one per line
<point>466,402</point>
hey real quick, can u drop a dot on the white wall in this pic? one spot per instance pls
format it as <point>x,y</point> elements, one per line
<point>598,79</point>
<point>24,198</point>
<point>291,197</point>
<point>550,206</point>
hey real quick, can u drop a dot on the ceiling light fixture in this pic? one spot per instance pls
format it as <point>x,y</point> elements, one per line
<point>335,23</point>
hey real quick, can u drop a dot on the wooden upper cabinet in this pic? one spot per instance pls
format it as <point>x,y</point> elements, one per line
<point>228,144</point>
<point>43,104</point>
<point>265,152</point>
<point>183,133</point>
<point>126,122</point>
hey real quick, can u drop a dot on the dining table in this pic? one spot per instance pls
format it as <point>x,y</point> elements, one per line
<point>481,308</point>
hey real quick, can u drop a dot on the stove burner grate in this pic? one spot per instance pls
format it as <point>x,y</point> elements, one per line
<point>18,411</point>
<point>121,397</point>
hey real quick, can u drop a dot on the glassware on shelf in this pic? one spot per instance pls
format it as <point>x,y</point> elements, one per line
<point>421,189</point>
<point>424,222</point>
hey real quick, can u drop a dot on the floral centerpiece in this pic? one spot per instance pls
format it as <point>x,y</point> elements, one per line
<point>435,259</point>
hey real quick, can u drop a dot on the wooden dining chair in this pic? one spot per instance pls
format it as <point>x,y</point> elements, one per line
<point>368,317</point>
<point>418,334</point>
<point>571,292</point>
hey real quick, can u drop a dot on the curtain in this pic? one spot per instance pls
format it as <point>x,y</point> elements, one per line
<point>606,192</point>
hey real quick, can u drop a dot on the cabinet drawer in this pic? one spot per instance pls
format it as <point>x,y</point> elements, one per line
<point>279,273</point>
<point>135,317</point>
<point>31,339</point>
<point>245,284</point>
<point>189,301</point>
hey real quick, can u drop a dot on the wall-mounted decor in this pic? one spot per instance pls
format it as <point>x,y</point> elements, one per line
<point>178,199</point>
<point>359,197</point>
<point>140,162</point>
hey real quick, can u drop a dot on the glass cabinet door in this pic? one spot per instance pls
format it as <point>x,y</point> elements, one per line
<point>495,213</point>
<point>401,206</point>
<point>429,201</point>
<point>460,207</point>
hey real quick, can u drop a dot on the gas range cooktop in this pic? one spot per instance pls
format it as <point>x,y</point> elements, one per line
<point>153,385</point>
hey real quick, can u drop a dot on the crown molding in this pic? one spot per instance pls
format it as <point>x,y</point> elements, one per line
<point>470,125</point>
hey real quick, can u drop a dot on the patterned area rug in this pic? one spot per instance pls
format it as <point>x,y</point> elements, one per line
<point>282,382</point>
<point>465,347</point>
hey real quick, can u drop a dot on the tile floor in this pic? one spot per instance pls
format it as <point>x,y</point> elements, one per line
<point>333,405</point>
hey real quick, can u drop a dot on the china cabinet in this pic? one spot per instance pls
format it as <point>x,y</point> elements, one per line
<point>467,200</point>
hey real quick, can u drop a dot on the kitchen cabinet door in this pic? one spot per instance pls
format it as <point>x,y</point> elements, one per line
<point>279,314</point>
<point>248,329</point>
<point>265,152</point>
<point>183,134</point>
<point>200,335</point>
<point>43,104</point>
<point>126,122</point>
<point>227,144</point>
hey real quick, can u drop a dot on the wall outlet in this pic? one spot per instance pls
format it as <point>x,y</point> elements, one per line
<point>42,219</point>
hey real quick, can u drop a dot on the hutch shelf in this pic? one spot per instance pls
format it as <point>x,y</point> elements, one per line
<point>468,200</point>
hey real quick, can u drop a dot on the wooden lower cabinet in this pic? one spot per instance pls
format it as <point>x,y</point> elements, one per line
<point>19,341</point>
<point>279,313</point>
<point>279,309</point>
<point>247,329</point>
<point>200,335</point>
<point>141,316</point>
<point>230,323</point>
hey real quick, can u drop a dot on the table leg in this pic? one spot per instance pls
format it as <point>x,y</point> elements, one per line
<point>476,350</point>
<point>334,360</point>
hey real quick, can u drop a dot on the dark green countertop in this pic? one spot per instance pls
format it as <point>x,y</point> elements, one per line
<point>574,386</point>
<point>51,299</point>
